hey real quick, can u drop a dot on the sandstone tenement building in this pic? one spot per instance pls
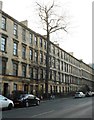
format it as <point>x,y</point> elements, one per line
<point>23,62</point>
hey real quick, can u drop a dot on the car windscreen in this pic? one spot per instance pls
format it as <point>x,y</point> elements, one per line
<point>22,96</point>
<point>77,93</point>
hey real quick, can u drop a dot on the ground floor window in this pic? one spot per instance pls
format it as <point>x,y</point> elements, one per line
<point>15,86</point>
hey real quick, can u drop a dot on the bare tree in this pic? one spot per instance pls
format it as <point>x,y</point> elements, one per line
<point>51,23</point>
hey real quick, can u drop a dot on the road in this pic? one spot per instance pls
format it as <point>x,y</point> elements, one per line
<point>57,108</point>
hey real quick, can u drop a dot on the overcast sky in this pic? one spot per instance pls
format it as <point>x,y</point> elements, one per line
<point>79,12</point>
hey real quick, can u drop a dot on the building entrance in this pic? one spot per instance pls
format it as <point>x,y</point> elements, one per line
<point>5,88</point>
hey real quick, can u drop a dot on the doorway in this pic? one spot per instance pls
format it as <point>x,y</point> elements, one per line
<point>5,88</point>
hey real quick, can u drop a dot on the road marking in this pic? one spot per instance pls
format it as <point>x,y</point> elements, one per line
<point>43,113</point>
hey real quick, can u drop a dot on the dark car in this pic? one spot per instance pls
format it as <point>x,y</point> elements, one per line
<point>26,100</point>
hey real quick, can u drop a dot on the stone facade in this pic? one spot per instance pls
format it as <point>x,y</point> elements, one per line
<point>23,62</point>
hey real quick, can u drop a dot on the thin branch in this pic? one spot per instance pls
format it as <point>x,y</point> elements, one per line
<point>59,28</point>
<point>51,7</point>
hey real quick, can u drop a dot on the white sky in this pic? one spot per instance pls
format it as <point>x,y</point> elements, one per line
<point>79,12</point>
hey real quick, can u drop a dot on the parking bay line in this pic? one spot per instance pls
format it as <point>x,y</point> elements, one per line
<point>42,113</point>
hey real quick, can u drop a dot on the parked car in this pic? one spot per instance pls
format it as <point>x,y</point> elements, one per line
<point>6,103</point>
<point>26,100</point>
<point>92,94</point>
<point>89,94</point>
<point>79,95</point>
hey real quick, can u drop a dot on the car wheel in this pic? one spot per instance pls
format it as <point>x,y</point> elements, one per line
<point>38,102</point>
<point>27,104</point>
<point>10,106</point>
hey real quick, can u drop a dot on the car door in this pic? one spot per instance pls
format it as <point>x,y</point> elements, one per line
<point>31,99</point>
<point>3,102</point>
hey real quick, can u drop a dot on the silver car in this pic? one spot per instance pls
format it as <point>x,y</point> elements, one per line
<point>79,95</point>
<point>6,103</point>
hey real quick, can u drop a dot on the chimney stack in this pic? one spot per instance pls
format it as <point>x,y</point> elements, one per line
<point>71,53</point>
<point>25,22</point>
<point>56,43</point>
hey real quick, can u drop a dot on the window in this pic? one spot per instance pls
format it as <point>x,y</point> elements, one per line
<point>44,74</point>
<point>36,73</point>
<point>59,89</point>
<point>50,61</point>
<point>3,43</point>
<point>15,86</point>
<point>41,73</point>
<point>62,66</point>
<point>31,38</point>
<point>44,58</point>
<point>15,48</point>
<point>54,63</point>
<point>50,74</point>
<point>31,54</point>
<point>65,67</point>
<point>3,23</point>
<point>3,67</point>
<point>15,31</point>
<point>62,78</point>
<point>53,75</point>
<point>58,64</point>
<point>45,45</point>
<point>35,40</point>
<point>23,52</point>
<point>41,57</point>
<point>24,70</point>
<point>24,34</point>
<point>58,53</point>
<point>53,49</point>
<point>15,69</point>
<point>36,56</point>
<point>59,76</point>
<point>40,42</point>
<point>31,73</point>
<point>41,89</point>
<point>62,54</point>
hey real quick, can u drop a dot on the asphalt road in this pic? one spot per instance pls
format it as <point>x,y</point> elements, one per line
<point>57,108</point>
